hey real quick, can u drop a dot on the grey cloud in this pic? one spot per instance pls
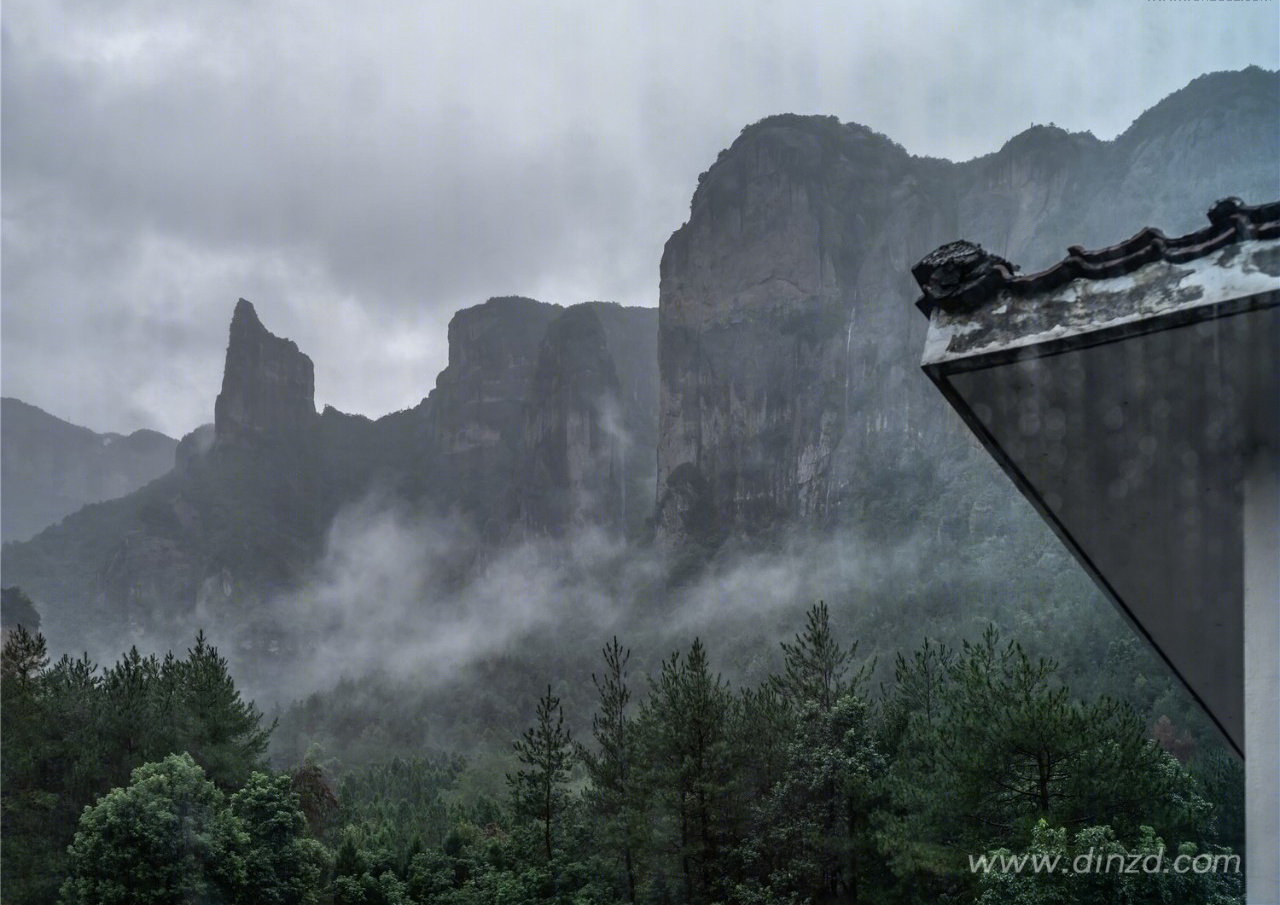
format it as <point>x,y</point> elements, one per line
<point>362,173</point>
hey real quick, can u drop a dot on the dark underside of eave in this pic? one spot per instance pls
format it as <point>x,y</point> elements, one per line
<point>1225,316</point>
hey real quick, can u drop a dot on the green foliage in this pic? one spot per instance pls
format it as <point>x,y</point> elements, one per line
<point>815,665</point>
<point>172,836</point>
<point>1020,748</point>
<point>985,745</point>
<point>167,838</point>
<point>804,788</point>
<point>615,799</point>
<point>219,729</point>
<point>689,728</point>
<point>399,802</point>
<point>1096,869</point>
<point>282,864</point>
<point>810,833</point>
<point>73,732</point>
<point>17,609</point>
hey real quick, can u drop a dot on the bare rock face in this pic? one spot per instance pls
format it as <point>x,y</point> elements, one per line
<point>571,451</point>
<point>788,344</point>
<point>476,410</point>
<point>764,293</point>
<point>513,431</point>
<point>268,387</point>
<point>631,335</point>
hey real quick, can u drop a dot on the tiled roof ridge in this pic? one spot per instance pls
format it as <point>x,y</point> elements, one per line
<point>960,276</point>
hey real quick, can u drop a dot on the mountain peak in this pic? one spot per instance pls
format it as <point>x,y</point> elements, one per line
<point>245,315</point>
<point>268,385</point>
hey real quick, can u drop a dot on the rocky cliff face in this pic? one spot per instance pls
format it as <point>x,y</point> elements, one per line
<point>631,335</point>
<point>268,387</point>
<point>768,294</point>
<point>788,343</point>
<point>51,467</point>
<point>475,411</point>
<point>571,455</point>
<point>512,407</point>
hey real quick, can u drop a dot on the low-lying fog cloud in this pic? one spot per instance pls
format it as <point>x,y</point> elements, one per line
<point>405,596</point>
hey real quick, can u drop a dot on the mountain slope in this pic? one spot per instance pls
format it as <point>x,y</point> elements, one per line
<point>50,467</point>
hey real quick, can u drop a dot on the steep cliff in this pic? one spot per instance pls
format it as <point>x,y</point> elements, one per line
<point>769,292</point>
<point>268,388</point>
<point>788,345</point>
<point>475,411</point>
<point>631,335</point>
<point>512,375</point>
<point>570,464</point>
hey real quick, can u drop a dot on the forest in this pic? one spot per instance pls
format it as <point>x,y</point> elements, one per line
<point>834,778</point>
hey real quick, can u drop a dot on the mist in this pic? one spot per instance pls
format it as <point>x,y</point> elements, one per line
<point>408,610</point>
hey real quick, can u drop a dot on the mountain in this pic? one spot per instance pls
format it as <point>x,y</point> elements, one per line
<point>788,343</point>
<point>50,467</point>
<point>244,515</point>
<point>775,388</point>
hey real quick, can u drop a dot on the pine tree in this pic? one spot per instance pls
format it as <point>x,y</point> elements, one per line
<point>694,766</point>
<point>813,823</point>
<point>1021,748</point>
<point>815,664</point>
<point>614,795</point>
<point>545,753</point>
<point>218,727</point>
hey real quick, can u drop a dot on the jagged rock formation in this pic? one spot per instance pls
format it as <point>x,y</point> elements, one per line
<point>486,423</point>
<point>631,335</point>
<point>268,388</point>
<point>788,345</point>
<point>756,308</point>
<point>51,468</point>
<point>242,512</point>
<point>571,447</point>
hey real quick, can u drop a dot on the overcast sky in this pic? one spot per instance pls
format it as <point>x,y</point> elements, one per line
<point>360,171</point>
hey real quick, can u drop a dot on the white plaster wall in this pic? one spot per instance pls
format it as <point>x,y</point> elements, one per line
<point>1262,677</point>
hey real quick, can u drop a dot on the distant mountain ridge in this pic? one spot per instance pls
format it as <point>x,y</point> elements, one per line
<point>51,467</point>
